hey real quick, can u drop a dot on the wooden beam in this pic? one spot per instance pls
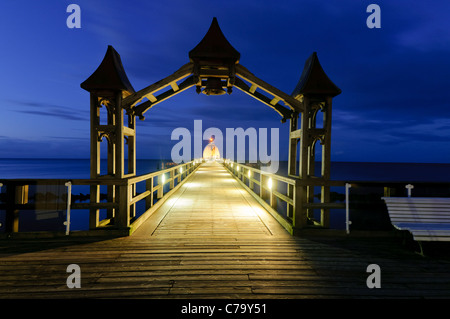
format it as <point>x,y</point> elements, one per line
<point>128,131</point>
<point>213,73</point>
<point>144,107</point>
<point>180,74</point>
<point>275,100</point>
<point>325,205</point>
<point>151,97</point>
<point>316,132</point>
<point>296,133</point>
<point>107,205</point>
<point>285,113</point>
<point>294,104</point>
<point>174,86</point>
<point>105,128</point>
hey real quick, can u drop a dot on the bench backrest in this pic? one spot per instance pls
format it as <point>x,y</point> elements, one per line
<point>418,209</point>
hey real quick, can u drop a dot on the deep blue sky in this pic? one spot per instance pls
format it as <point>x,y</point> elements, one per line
<point>395,81</point>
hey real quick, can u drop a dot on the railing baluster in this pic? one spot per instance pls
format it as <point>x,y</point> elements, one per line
<point>273,198</point>
<point>347,208</point>
<point>123,218</point>
<point>69,202</point>
<point>161,180</point>
<point>94,212</point>
<point>12,215</point>
<point>149,199</point>
<point>172,178</point>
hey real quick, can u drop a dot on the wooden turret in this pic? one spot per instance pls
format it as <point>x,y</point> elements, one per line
<point>108,85</point>
<point>315,91</point>
<point>214,59</point>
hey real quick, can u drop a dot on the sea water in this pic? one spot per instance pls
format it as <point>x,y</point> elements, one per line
<point>62,168</point>
<point>340,171</point>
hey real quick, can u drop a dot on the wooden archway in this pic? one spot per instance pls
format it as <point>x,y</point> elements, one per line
<point>213,58</point>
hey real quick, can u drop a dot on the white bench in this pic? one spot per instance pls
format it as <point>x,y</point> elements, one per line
<point>426,218</point>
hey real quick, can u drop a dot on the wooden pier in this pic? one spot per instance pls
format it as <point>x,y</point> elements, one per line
<point>212,239</point>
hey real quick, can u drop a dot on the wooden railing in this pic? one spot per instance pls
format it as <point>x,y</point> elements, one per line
<point>121,212</point>
<point>292,202</point>
<point>265,188</point>
<point>289,200</point>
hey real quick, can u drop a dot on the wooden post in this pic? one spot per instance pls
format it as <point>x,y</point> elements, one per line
<point>304,165</point>
<point>326,161</point>
<point>290,194</point>
<point>95,159</point>
<point>172,178</point>
<point>16,195</point>
<point>149,198</point>
<point>160,191</point>
<point>304,144</point>
<point>111,160</point>
<point>123,218</point>
<point>293,144</point>
<point>273,198</point>
<point>94,213</point>
<point>119,138</point>
<point>21,194</point>
<point>299,218</point>
<point>132,191</point>
<point>262,182</point>
<point>131,131</point>
<point>95,144</point>
<point>389,191</point>
<point>11,220</point>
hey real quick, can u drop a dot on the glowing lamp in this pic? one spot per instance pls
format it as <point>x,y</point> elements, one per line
<point>269,183</point>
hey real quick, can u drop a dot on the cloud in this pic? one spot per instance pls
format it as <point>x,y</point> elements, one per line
<point>356,137</point>
<point>434,131</point>
<point>68,138</point>
<point>48,110</point>
<point>49,148</point>
<point>58,114</point>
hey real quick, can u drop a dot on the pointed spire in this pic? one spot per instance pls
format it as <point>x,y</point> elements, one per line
<point>110,75</point>
<point>214,47</point>
<point>314,80</point>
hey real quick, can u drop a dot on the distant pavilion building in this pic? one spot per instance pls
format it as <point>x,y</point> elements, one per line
<point>211,151</point>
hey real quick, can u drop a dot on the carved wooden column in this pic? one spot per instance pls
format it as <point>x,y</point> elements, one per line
<point>108,85</point>
<point>315,91</point>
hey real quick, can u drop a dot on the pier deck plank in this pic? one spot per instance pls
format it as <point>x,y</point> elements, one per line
<point>211,239</point>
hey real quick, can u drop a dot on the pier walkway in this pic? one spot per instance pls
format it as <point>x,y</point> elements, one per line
<point>212,239</point>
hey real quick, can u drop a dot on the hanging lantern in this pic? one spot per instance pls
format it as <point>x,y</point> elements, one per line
<point>214,87</point>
